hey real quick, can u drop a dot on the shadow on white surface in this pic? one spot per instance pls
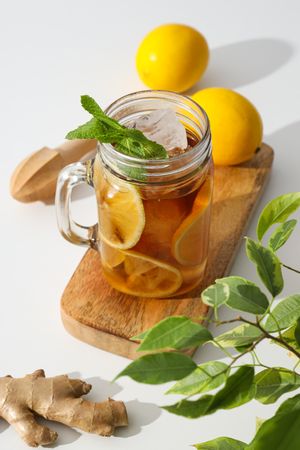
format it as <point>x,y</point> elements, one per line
<point>66,435</point>
<point>285,143</point>
<point>244,62</point>
<point>102,389</point>
<point>3,425</point>
<point>140,414</point>
<point>285,178</point>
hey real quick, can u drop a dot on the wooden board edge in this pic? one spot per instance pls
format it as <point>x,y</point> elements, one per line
<point>97,338</point>
<point>249,218</point>
<point>89,335</point>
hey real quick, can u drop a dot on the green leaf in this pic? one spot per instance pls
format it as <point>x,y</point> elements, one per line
<point>204,378</point>
<point>242,348</point>
<point>243,295</point>
<point>258,422</point>
<point>222,443</point>
<point>289,338</point>
<point>129,141</point>
<point>272,383</point>
<point>192,409</point>
<point>91,130</point>
<point>281,234</point>
<point>139,337</point>
<point>239,389</point>
<point>291,404</point>
<point>214,295</point>
<point>267,264</point>
<point>284,314</point>
<point>135,143</point>
<point>159,368</point>
<point>277,210</point>
<point>177,332</point>
<point>241,336</point>
<point>281,432</point>
<point>91,106</point>
<point>297,333</point>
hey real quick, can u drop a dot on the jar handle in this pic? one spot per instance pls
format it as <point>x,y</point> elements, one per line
<point>71,176</point>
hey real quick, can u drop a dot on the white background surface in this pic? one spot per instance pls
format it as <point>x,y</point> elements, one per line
<point>53,51</point>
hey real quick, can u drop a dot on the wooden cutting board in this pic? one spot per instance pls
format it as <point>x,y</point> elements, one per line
<point>95,313</point>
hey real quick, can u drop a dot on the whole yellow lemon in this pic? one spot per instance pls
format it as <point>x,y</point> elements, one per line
<point>236,125</point>
<point>172,57</point>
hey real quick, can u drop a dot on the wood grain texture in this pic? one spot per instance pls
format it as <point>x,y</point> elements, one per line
<point>35,178</point>
<point>95,313</point>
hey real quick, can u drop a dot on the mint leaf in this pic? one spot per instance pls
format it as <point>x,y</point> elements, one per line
<point>129,141</point>
<point>133,143</point>
<point>93,129</point>
<point>91,106</point>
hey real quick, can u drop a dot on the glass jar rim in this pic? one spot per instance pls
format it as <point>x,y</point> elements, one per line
<point>198,154</point>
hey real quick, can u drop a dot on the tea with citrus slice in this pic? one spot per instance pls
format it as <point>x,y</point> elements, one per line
<point>153,243</point>
<point>153,181</point>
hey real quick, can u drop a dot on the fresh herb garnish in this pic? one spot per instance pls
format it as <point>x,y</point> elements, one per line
<point>129,141</point>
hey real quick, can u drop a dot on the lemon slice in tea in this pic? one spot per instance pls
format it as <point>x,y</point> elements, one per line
<point>111,257</point>
<point>121,213</point>
<point>191,277</point>
<point>190,240</point>
<point>144,276</point>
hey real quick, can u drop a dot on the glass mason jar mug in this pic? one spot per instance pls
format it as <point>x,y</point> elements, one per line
<point>154,215</point>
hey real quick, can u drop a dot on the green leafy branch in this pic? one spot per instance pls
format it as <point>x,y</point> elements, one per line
<point>237,382</point>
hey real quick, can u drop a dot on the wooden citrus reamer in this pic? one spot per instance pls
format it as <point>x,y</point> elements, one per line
<point>35,177</point>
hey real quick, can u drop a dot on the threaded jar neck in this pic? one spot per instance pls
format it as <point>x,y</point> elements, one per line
<point>129,108</point>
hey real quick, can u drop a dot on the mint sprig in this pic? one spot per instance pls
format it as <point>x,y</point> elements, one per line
<point>129,141</point>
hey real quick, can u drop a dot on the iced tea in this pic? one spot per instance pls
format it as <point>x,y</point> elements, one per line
<point>153,238</point>
<point>153,200</point>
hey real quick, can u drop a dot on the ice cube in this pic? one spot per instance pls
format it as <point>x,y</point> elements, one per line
<point>164,127</point>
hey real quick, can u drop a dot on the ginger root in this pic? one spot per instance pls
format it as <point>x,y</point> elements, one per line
<point>58,399</point>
